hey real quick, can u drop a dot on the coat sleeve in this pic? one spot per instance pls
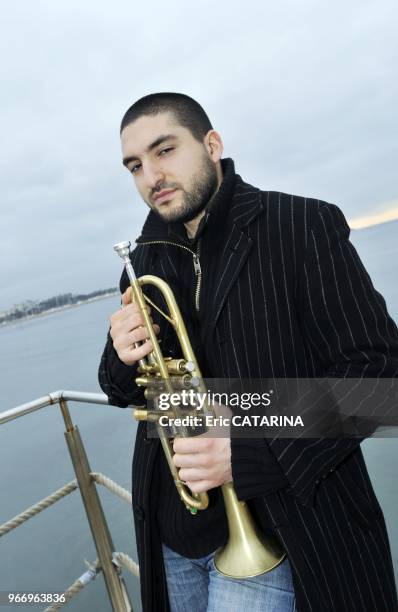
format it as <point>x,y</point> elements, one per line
<point>255,470</point>
<point>117,379</point>
<point>346,323</point>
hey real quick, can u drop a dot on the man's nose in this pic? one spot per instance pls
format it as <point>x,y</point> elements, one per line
<point>154,176</point>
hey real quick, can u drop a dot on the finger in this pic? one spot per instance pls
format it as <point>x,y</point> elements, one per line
<point>125,313</point>
<point>126,296</point>
<point>130,341</point>
<point>131,355</point>
<point>193,474</point>
<point>128,300</point>
<point>141,333</point>
<point>128,319</point>
<point>191,445</point>
<point>129,310</point>
<point>143,350</point>
<point>137,335</point>
<point>194,460</point>
<point>132,315</point>
<point>201,486</point>
<point>121,326</point>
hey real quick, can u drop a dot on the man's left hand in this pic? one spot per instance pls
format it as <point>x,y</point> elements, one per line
<point>204,463</point>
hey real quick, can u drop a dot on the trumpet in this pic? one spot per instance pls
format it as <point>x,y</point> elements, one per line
<point>248,552</point>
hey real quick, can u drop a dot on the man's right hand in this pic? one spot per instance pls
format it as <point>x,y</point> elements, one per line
<point>127,328</point>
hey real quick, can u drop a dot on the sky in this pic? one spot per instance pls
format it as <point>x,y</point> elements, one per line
<point>304,95</point>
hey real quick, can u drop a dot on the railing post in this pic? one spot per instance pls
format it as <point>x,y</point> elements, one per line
<point>114,581</point>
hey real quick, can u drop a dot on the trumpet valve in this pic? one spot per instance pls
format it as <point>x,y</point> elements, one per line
<point>145,369</point>
<point>189,366</point>
<point>147,381</point>
<point>151,415</point>
<point>140,414</point>
<point>146,415</point>
<point>179,366</point>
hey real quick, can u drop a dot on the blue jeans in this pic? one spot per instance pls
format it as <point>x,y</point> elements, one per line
<point>194,585</point>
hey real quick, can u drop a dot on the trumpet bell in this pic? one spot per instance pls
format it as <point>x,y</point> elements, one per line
<point>248,552</point>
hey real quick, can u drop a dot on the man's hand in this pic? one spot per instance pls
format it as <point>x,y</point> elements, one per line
<point>127,328</point>
<point>204,463</point>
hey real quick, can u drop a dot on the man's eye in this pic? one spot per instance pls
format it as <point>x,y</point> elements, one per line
<point>135,168</point>
<point>166,150</point>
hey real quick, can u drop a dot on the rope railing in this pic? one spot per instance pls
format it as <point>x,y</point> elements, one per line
<point>118,558</point>
<point>101,479</point>
<point>112,486</point>
<point>128,562</point>
<point>77,586</point>
<point>36,508</point>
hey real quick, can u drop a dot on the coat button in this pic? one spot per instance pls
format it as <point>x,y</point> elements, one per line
<point>139,512</point>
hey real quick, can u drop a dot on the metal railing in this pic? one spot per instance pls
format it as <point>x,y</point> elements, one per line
<point>108,561</point>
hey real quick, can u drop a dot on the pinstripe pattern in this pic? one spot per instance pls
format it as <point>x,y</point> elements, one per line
<point>286,295</point>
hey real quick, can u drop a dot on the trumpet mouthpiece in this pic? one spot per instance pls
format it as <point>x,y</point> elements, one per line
<point>123,249</point>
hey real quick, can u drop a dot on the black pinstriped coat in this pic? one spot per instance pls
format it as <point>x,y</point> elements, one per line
<point>287,296</point>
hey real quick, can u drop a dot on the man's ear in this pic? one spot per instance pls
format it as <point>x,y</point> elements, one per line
<point>214,145</point>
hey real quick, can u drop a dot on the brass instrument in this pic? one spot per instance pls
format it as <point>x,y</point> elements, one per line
<point>248,552</point>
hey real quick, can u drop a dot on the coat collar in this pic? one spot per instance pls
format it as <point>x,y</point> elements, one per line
<point>235,203</point>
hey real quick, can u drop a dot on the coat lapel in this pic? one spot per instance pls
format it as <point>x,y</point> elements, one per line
<point>245,207</point>
<point>234,255</point>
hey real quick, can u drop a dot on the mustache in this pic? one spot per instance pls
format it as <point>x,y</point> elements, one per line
<point>161,187</point>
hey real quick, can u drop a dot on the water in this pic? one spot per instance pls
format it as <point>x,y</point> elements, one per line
<point>61,351</point>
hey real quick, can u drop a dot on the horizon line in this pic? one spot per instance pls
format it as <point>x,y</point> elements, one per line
<point>377,218</point>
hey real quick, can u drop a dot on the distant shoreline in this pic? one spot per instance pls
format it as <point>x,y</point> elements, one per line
<point>51,311</point>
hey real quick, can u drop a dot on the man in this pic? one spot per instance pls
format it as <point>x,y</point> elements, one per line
<point>269,287</point>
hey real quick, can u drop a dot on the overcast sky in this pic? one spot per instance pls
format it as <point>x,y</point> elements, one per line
<point>303,93</point>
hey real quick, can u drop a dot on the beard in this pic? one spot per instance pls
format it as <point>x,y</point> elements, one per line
<point>204,186</point>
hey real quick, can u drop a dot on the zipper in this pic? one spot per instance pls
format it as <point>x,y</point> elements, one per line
<point>198,273</point>
<point>196,264</point>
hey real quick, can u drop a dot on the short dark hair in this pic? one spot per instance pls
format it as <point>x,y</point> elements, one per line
<point>186,110</point>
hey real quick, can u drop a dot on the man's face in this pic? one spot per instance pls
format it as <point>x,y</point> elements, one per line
<point>173,172</point>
